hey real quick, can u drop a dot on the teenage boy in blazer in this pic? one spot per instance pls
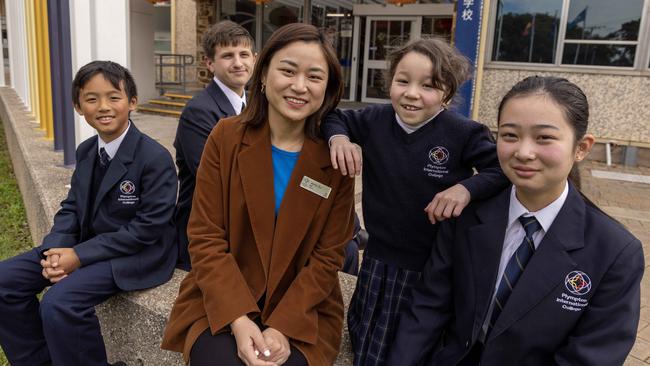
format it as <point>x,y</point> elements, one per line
<point>113,233</point>
<point>228,49</point>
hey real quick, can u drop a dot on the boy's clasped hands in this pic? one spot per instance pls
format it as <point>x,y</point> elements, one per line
<point>59,263</point>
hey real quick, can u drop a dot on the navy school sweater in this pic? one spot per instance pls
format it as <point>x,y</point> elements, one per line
<point>403,172</point>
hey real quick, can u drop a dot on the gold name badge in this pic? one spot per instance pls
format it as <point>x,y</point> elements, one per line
<point>315,187</point>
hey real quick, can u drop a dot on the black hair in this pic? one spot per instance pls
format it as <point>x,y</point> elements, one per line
<point>567,95</point>
<point>115,73</point>
<point>256,112</point>
<point>573,102</point>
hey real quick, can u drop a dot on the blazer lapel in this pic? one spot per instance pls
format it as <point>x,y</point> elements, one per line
<point>298,208</point>
<point>220,99</point>
<point>117,167</point>
<point>256,172</point>
<point>486,245</point>
<point>84,170</point>
<point>550,263</point>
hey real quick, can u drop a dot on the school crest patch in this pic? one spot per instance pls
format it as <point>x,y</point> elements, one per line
<point>439,155</point>
<point>127,187</point>
<point>577,283</point>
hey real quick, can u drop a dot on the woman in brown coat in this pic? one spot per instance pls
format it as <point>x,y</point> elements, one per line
<point>269,222</point>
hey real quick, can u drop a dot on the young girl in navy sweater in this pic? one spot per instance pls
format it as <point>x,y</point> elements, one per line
<point>418,168</point>
<point>536,275</point>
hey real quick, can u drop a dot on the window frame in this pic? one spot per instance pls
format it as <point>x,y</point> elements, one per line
<point>641,57</point>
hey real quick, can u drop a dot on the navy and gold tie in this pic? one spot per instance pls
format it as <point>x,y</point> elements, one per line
<point>515,267</point>
<point>104,159</point>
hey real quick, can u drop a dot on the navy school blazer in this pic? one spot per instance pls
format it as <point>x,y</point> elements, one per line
<point>576,303</point>
<point>131,215</point>
<point>199,117</point>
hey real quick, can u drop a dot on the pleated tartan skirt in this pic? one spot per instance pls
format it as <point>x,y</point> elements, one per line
<point>382,291</point>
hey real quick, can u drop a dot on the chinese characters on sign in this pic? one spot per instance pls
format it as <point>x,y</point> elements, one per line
<point>467,13</point>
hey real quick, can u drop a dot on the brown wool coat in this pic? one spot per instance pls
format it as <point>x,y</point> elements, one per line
<point>240,252</point>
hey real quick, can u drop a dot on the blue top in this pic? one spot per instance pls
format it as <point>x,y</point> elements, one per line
<point>403,172</point>
<point>283,163</point>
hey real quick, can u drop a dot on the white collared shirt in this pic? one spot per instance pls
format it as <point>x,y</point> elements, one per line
<point>412,128</point>
<point>111,147</point>
<point>515,233</point>
<point>235,100</point>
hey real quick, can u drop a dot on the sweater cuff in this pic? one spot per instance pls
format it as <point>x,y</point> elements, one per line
<point>329,142</point>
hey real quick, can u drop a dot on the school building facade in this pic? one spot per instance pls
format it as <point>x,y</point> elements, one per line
<point>601,45</point>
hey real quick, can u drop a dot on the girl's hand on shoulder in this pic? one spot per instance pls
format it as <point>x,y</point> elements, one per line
<point>250,342</point>
<point>448,203</point>
<point>345,155</point>
<point>278,344</point>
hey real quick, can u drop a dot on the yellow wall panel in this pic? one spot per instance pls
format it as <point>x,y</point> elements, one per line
<point>32,63</point>
<point>45,79</point>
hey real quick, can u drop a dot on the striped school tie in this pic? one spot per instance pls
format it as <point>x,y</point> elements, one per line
<point>104,159</point>
<point>515,267</point>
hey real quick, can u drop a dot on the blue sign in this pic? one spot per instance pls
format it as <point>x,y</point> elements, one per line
<point>467,40</point>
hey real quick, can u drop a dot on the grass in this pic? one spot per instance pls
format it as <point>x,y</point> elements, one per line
<point>14,235</point>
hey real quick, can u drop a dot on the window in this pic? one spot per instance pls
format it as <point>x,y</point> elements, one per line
<point>526,31</point>
<point>602,32</point>
<point>336,21</point>
<point>591,33</point>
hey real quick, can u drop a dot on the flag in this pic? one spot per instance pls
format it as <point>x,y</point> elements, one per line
<point>581,17</point>
<point>527,28</point>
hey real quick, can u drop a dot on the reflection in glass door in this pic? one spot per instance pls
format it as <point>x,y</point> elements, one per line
<point>384,35</point>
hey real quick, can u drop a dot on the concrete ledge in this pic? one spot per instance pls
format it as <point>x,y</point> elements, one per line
<point>132,323</point>
<point>38,168</point>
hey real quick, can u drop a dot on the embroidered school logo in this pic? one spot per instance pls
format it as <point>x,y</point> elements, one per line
<point>127,187</point>
<point>438,155</point>
<point>577,282</point>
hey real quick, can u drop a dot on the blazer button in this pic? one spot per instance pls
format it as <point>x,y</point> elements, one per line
<point>467,344</point>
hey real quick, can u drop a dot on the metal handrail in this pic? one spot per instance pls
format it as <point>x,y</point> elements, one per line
<point>178,63</point>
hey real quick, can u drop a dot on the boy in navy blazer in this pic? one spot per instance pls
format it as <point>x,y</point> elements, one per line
<point>228,49</point>
<point>114,232</point>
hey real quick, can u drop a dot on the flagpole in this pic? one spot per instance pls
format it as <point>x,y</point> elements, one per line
<point>584,26</point>
<point>499,12</point>
<point>555,37</point>
<point>532,39</point>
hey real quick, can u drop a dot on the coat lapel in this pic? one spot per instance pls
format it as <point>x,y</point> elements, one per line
<point>256,171</point>
<point>220,99</point>
<point>486,244</point>
<point>117,167</point>
<point>298,208</point>
<point>550,263</point>
<point>84,170</point>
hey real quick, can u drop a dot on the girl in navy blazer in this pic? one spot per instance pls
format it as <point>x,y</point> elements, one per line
<point>536,275</point>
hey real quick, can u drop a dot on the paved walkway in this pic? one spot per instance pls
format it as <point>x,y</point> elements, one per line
<point>626,200</point>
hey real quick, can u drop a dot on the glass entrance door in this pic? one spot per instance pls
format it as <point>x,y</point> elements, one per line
<point>383,35</point>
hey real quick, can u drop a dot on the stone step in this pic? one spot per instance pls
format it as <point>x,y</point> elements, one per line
<point>153,109</point>
<point>178,96</point>
<point>165,102</point>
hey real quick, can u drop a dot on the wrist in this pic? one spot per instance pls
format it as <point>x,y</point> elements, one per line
<point>338,138</point>
<point>239,320</point>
